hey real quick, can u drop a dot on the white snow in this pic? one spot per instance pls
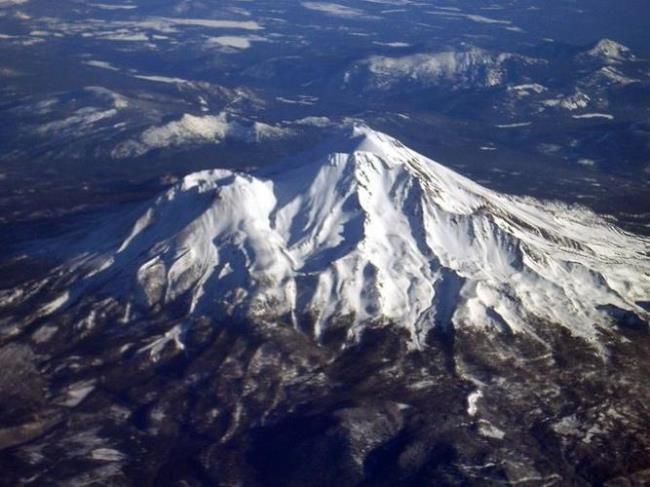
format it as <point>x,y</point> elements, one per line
<point>100,64</point>
<point>81,120</point>
<point>396,44</point>
<point>489,430</point>
<point>611,75</point>
<point>373,231</point>
<point>107,455</point>
<point>113,6</point>
<point>606,116</point>
<point>611,52</point>
<point>11,3</point>
<point>572,102</point>
<point>237,42</point>
<point>195,129</point>
<point>472,401</point>
<point>473,17</point>
<point>125,37</point>
<point>586,162</point>
<point>335,9</point>
<point>209,23</point>
<point>299,100</point>
<point>118,100</point>
<point>55,304</point>
<point>157,345</point>
<point>77,392</point>
<point>514,125</point>
<point>44,334</point>
<point>527,89</point>
<point>471,66</point>
<point>314,121</point>
<point>162,79</point>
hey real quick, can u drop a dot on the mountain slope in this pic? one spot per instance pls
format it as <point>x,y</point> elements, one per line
<point>455,69</point>
<point>368,231</point>
<point>361,311</point>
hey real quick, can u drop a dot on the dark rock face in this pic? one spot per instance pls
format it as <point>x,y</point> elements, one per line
<point>264,404</point>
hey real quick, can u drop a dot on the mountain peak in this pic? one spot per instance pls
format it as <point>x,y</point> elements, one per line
<point>611,51</point>
<point>369,232</point>
<point>369,140</point>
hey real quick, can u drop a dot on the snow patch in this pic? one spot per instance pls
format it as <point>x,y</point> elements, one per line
<point>470,67</point>
<point>335,10</point>
<point>77,392</point>
<point>606,116</point>
<point>611,52</point>
<point>195,129</point>
<point>472,402</point>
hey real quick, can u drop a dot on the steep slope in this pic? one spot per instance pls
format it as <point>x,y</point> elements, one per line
<point>361,312</point>
<point>367,232</point>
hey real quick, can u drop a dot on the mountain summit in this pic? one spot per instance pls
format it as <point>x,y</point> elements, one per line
<point>366,232</point>
<point>611,52</point>
<point>360,312</point>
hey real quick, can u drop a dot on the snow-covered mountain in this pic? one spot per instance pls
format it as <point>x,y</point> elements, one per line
<point>369,231</point>
<point>611,52</point>
<point>455,69</point>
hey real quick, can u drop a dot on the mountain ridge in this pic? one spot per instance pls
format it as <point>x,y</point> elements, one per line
<point>371,231</point>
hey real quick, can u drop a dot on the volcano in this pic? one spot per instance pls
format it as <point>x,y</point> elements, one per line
<point>357,315</point>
